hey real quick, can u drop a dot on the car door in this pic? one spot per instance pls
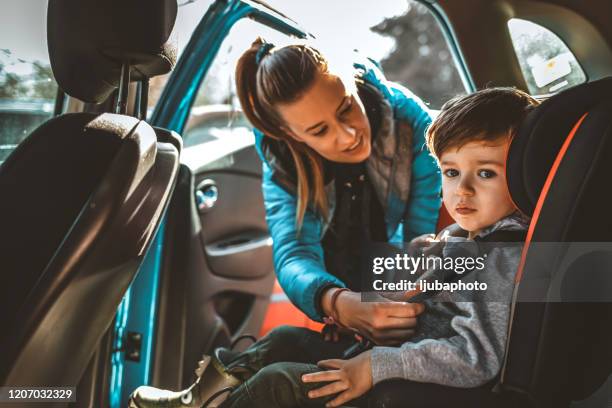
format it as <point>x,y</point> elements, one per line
<point>210,275</point>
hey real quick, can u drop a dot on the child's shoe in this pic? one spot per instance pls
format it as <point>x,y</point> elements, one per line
<point>214,384</point>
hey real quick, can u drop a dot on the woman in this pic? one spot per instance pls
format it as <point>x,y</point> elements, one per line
<point>344,165</point>
<point>333,145</point>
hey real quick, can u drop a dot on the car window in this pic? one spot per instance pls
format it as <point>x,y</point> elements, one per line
<point>27,86</point>
<point>216,112</point>
<point>404,37</point>
<point>547,64</point>
<point>213,122</point>
<point>420,58</point>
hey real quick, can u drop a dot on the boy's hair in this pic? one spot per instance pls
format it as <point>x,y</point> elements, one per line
<point>485,115</point>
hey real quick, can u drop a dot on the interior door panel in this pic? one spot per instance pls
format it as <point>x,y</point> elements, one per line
<point>234,232</point>
<point>224,274</point>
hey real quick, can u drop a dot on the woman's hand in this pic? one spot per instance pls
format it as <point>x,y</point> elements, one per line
<point>386,323</point>
<point>348,378</point>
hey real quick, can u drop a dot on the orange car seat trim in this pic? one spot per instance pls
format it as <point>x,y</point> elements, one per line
<point>544,193</point>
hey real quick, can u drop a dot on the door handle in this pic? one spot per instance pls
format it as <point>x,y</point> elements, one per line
<point>238,245</point>
<point>206,195</point>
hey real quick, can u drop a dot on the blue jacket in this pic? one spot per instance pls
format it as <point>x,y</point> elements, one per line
<point>407,182</point>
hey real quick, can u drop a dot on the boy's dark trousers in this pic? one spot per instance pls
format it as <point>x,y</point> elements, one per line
<point>279,360</point>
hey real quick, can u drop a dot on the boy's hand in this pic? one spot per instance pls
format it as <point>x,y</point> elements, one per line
<point>424,239</point>
<point>348,378</point>
<point>418,244</point>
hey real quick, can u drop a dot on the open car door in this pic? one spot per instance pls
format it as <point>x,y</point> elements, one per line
<point>211,277</point>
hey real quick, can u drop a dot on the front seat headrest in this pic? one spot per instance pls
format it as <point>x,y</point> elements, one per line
<point>541,135</point>
<point>89,40</point>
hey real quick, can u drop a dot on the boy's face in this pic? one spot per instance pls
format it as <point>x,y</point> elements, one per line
<point>474,186</point>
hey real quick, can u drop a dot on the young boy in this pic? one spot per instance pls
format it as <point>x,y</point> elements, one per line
<point>458,344</point>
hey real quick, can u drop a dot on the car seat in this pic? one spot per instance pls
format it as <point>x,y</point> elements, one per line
<point>560,334</point>
<point>83,195</point>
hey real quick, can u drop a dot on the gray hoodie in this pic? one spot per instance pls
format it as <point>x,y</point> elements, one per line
<point>459,343</point>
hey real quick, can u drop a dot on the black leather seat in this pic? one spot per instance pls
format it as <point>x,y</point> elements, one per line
<point>84,194</point>
<point>559,341</point>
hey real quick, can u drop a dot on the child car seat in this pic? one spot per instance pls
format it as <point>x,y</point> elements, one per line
<point>558,348</point>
